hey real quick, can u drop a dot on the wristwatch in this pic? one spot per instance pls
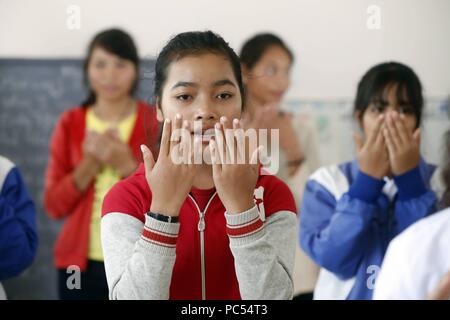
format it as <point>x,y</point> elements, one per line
<point>161,217</point>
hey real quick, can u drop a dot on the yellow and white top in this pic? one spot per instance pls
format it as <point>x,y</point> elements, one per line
<point>105,179</point>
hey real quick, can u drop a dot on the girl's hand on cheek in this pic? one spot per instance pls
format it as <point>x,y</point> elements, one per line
<point>235,167</point>
<point>372,155</point>
<point>170,179</point>
<point>403,145</point>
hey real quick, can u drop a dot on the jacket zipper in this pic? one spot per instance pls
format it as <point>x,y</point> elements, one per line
<point>201,229</point>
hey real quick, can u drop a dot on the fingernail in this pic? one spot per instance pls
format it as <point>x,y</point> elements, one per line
<point>223,119</point>
<point>143,148</point>
<point>178,116</point>
<point>236,121</point>
<point>167,121</point>
<point>217,126</point>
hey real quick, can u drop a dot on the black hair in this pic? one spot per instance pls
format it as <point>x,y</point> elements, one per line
<point>194,43</point>
<point>373,84</point>
<point>117,42</point>
<point>254,48</point>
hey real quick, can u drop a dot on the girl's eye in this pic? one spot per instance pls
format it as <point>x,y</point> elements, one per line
<point>224,96</point>
<point>183,97</point>
<point>270,72</point>
<point>378,107</point>
<point>100,64</point>
<point>406,109</point>
<point>121,64</point>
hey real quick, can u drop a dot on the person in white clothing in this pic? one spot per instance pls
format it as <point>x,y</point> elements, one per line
<point>417,263</point>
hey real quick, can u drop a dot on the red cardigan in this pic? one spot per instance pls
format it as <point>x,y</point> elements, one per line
<point>61,197</point>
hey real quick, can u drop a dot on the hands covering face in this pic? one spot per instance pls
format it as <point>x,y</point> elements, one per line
<point>390,147</point>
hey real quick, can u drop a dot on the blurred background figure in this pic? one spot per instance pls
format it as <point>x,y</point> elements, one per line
<point>94,146</point>
<point>266,67</point>
<point>351,211</point>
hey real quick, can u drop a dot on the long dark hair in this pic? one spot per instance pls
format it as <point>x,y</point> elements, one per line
<point>194,43</point>
<point>117,42</point>
<point>255,47</point>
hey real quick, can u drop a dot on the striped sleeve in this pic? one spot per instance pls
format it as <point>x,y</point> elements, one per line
<point>244,225</point>
<point>161,236</point>
<point>139,251</point>
<point>264,251</point>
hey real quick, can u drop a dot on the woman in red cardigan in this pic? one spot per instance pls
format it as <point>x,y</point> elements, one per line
<point>93,146</point>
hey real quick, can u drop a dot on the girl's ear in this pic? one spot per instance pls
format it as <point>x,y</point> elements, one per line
<point>159,113</point>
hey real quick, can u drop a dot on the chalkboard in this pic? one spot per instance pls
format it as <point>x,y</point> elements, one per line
<point>33,94</point>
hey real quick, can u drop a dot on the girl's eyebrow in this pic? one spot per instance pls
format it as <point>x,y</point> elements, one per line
<point>218,83</point>
<point>184,84</point>
<point>223,82</point>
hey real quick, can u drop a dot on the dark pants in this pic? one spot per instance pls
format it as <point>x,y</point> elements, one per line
<point>93,285</point>
<point>304,296</point>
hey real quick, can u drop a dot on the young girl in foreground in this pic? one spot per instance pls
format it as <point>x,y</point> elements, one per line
<point>199,231</point>
<point>350,212</point>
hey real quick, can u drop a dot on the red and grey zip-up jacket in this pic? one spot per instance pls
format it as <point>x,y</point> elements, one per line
<point>208,254</point>
<point>61,197</point>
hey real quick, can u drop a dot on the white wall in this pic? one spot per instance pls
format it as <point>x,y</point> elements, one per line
<point>330,38</point>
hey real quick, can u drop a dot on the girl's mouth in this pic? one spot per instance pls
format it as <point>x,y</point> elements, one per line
<point>205,135</point>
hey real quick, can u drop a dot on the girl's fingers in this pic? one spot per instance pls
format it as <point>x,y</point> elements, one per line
<point>404,134</point>
<point>215,161</point>
<point>376,129</point>
<point>175,137</point>
<point>256,156</point>
<point>240,141</point>
<point>229,140</point>
<point>197,151</point>
<point>393,133</point>
<point>390,145</point>
<point>185,144</point>
<point>164,148</point>
<point>219,142</point>
<point>147,156</point>
<point>379,141</point>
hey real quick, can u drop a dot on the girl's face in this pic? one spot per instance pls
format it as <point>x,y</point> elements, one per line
<point>388,103</point>
<point>269,78</point>
<point>110,77</point>
<point>200,88</point>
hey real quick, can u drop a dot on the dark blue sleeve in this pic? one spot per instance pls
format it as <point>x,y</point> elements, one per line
<point>334,233</point>
<point>18,237</point>
<point>415,200</point>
